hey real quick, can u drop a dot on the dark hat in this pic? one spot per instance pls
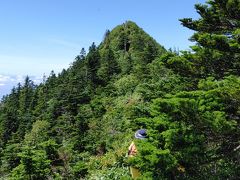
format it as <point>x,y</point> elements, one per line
<point>141,134</point>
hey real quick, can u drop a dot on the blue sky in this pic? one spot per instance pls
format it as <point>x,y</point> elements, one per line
<point>37,36</point>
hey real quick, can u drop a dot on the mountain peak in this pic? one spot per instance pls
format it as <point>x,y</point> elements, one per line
<point>129,37</point>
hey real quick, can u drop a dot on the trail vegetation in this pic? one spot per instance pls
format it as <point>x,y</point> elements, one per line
<point>79,123</point>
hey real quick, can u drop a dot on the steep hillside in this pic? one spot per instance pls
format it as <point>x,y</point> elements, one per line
<point>82,107</point>
<point>79,123</point>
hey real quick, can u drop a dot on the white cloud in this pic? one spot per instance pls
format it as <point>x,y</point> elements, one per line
<point>36,79</point>
<point>10,79</point>
<point>7,82</point>
<point>4,79</point>
<point>19,78</point>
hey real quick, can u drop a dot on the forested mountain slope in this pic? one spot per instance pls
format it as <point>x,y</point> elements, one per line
<point>79,123</point>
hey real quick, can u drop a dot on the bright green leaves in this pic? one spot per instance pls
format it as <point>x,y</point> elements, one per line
<point>153,161</point>
<point>109,66</point>
<point>38,133</point>
<point>92,64</point>
<point>190,129</point>
<point>212,41</point>
<point>80,169</point>
<point>78,124</point>
<point>126,84</point>
<point>10,158</point>
<point>218,122</point>
<point>217,32</point>
<point>177,63</point>
<point>34,165</point>
<point>37,154</point>
<point>133,48</point>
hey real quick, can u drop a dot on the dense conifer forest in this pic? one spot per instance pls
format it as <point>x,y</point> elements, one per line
<point>79,123</point>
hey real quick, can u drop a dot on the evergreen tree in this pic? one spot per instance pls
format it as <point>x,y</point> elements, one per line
<point>92,65</point>
<point>217,37</point>
<point>9,118</point>
<point>109,66</point>
<point>79,123</point>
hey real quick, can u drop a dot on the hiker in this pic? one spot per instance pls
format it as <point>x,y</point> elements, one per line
<point>132,151</point>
